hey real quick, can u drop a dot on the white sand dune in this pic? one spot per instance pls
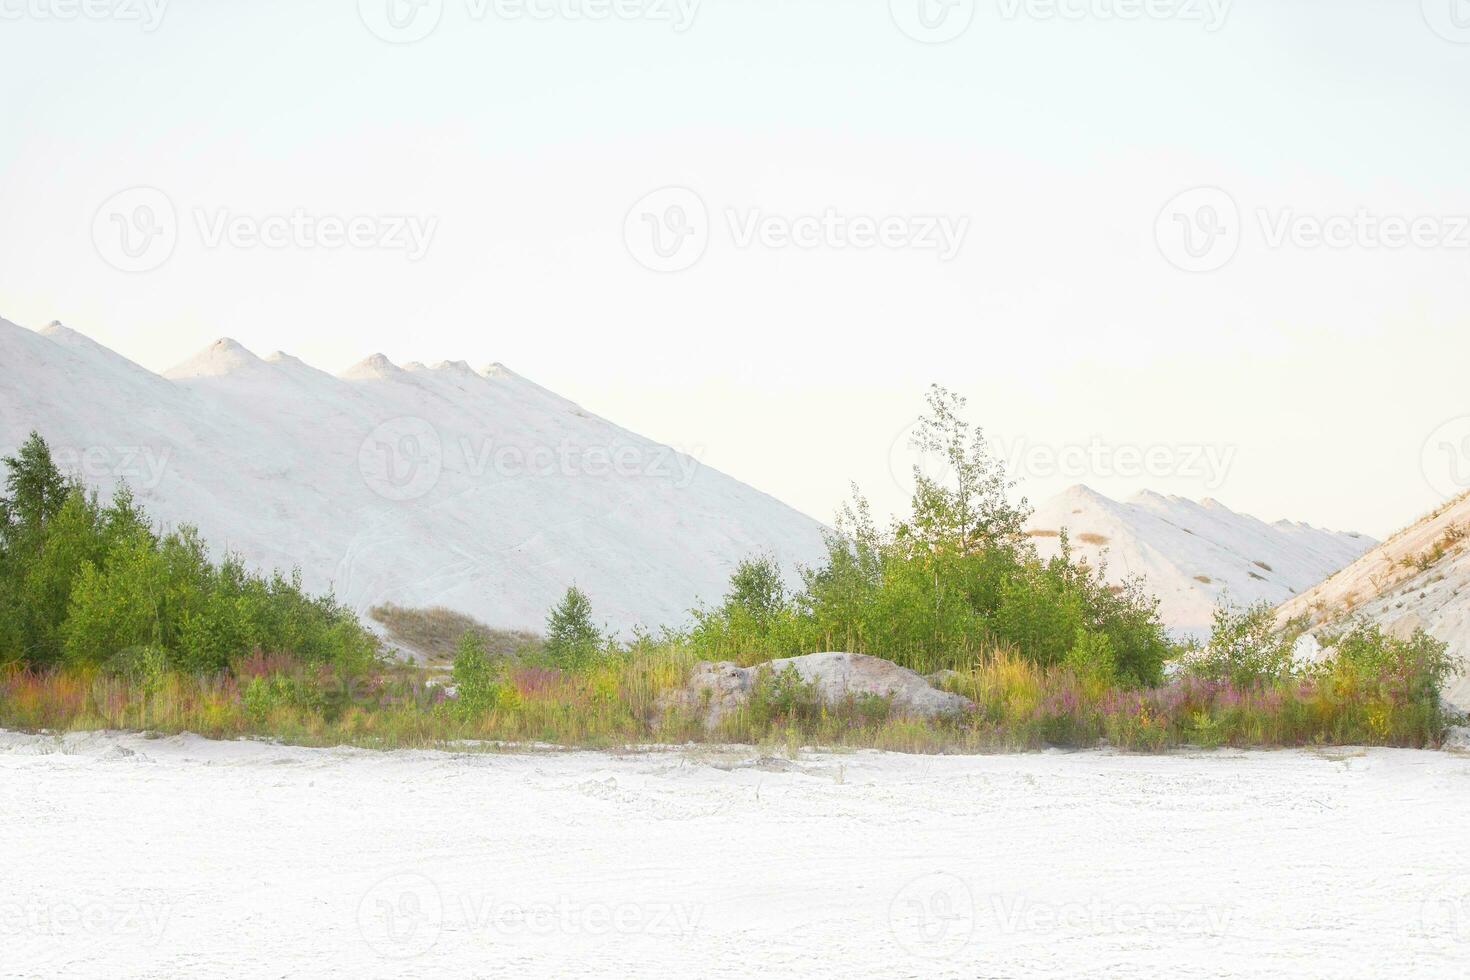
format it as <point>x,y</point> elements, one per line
<point>1194,555</point>
<point>123,856</point>
<point>476,490</point>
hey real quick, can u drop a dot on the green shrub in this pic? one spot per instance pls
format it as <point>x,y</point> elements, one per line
<point>782,696</point>
<point>942,586</point>
<point>571,639</point>
<point>1092,655</point>
<point>1417,667</point>
<point>757,591</point>
<point>1246,647</point>
<point>115,606</point>
<point>146,666</point>
<point>476,685</point>
<point>263,696</point>
<point>82,583</point>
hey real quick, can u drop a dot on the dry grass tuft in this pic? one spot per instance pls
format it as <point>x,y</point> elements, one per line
<point>433,633</point>
<point>1452,536</point>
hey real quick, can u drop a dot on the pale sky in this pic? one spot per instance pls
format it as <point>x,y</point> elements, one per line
<point>498,163</point>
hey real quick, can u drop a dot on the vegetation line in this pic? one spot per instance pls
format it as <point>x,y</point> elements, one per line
<point>106,622</point>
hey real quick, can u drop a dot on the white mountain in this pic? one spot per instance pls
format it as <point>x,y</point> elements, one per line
<point>1418,579</point>
<point>476,490</point>
<point>1192,555</point>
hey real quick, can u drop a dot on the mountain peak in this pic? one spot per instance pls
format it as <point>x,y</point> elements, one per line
<point>223,357</point>
<point>455,367</point>
<point>1081,495</point>
<point>62,334</point>
<point>373,366</point>
<point>292,363</point>
<point>67,337</point>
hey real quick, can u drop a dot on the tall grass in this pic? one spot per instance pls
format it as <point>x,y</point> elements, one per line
<point>620,701</point>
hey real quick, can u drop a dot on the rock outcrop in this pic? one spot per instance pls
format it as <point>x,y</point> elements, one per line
<point>715,690</point>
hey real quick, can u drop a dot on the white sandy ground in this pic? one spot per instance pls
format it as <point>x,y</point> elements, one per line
<point>125,856</point>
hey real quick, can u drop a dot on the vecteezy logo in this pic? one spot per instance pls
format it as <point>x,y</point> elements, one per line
<point>912,454</point>
<point>401,21</point>
<point>1450,19</point>
<point>932,21</point>
<point>136,230</point>
<point>933,916</point>
<point>400,917</point>
<point>668,230</point>
<point>1199,230</point>
<point>1446,913</point>
<point>401,459</point>
<point>1446,458</point>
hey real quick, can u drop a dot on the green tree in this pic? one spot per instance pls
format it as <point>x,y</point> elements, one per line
<point>123,518</point>
<point>84,583</point>
<point>1246,646</point>
<point>476,687</point>
<point>116,607</point>
<point>757,591</point>
<point>960,499</point>
<point>48,527</point>
<point>571,639</point>
<point>35,489</point>
<point>946,584</point>
<point>47,567</point>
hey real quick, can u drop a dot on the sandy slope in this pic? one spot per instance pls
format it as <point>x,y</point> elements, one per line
<point>176,857</point>
<point>1388,586</point>
<point>477,490</point>
<point>1194,555</point>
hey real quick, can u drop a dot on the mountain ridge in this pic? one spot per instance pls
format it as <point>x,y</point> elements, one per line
<point>483,492</point>
<point>1194,555</point>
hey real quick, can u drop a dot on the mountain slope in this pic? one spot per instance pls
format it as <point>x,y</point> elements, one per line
<point>479,491</point>
<point>1418,579</point>
<point>1192,555</point>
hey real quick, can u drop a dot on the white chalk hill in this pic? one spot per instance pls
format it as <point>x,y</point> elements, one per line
<point>476,490</point>
<point>1418,579</point>
<point>1193,555</point>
